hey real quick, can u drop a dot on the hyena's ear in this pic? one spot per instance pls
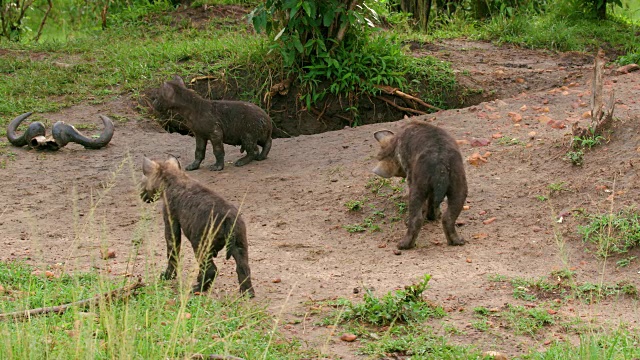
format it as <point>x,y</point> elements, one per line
<point>167,90</point>
<point>382,134</point>
<point>172,161</point>
<point>179,80</point>
<point>149,166</point>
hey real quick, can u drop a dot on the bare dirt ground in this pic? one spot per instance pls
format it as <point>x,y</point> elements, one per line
<point>58,209</point>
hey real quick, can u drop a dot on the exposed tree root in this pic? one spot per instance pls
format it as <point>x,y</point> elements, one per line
<point>393,91</point>
<point>405,109</point>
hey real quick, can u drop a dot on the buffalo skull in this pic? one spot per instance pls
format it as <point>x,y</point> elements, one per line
<point>62,134</point>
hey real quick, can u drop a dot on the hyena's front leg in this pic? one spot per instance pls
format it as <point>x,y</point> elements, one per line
<point>201,148</point>
<point>173,238</point>
<point>218,152</point>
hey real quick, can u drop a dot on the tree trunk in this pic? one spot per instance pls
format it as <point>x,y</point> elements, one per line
<point>601,9</point>
<point>481,9</point>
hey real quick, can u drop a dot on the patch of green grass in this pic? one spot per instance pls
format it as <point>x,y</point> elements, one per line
<point>626,261</point>
<point>355,205</point>
<point>590,292</point>
<point>404,306</point>
<point>575,157</point>
<point>525,321</point>
<point>620,344</point>
<point>612,233</point>
<point>127,58</point>
<point>526,289</point>
<point>557,187</point>
<point>480,325</point>
<point>417,342</point>
<point>497,278</point>
<point>157,323</point>
<point>386,206</point>
<point>509,141</point>
<point>542,198</point>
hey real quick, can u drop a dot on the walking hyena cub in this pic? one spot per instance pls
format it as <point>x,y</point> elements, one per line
<point>207,220</point>
<point>219,121</point>
<point>429,159</point>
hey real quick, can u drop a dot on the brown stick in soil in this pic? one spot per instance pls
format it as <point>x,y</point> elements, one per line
<point>601,112</point>
<point>121,293</point>
<point>393,91</point>
<point>405,109</point>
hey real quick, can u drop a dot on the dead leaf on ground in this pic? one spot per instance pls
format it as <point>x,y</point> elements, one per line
<point>476,159</point>
<point>515,117</point>
<point>479,142</point>
<point>489,221</point>
<point>543,119</point>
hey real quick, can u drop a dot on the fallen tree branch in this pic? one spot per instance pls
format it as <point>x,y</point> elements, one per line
<point>121,293</point>
<point>410,110</point>
<point>393,91</point>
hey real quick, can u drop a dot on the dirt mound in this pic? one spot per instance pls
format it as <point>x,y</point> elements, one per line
<point>495,72</point>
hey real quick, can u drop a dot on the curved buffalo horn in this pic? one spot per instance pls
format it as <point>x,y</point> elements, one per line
<point>35,129</point>
<point>65,133</point>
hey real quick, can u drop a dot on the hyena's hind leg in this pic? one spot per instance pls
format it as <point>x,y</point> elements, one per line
<point>248,145</point>
<point>266,147</point>
<point>455,202</point>
<point>206,274</point>
<point>241,256</point>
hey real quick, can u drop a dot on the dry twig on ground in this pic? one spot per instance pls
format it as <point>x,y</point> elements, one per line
<point>121,293</point>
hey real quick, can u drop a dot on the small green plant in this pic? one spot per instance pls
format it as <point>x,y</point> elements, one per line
<point>354,205</point>
<point>509,141</point>
<point>626,261</point>
<point>629,58</point>
<point>354,228</point>
<point>497,278</point>
<point>405,305</point>
<point>587,141</point>
<point>575,157</point>
<point>481,310</point>
<point>542,198</point>
<point>612,232</point>
<point>480,325</point>
<point>563,274</point>
<point>558,187</point>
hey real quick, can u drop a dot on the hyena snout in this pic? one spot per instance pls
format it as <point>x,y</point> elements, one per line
<point>148,195</point>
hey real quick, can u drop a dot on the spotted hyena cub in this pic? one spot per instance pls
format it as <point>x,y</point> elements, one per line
<point>206,219</point>
<point>219,122</point>
<point>429,159</point>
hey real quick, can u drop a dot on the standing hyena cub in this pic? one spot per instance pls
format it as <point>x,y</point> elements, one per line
<point>429,159</point>
<point>207,220</point>
<point>219,121</point>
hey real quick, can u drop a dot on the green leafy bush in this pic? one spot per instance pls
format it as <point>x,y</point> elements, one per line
<point>404,305</point>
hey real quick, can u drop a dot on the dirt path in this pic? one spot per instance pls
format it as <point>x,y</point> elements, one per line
<point>293,204</point>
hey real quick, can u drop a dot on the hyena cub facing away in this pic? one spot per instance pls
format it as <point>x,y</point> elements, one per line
<point>207,220</point>
<point>219,121</point>
<point>429,159</point>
